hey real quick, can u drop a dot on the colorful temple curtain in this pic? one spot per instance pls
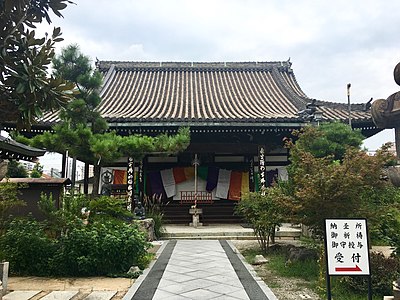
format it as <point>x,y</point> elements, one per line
<point>227,184</point>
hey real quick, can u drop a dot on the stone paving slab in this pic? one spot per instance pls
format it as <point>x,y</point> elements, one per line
<point>266,290</point>
<point>20,295</point>
<point>101,295</point>
<point>60,295</point>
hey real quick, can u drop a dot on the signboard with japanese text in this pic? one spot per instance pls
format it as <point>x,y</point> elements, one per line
<point>347,250</point>
<point>131,182</point>
<point>262,169</point>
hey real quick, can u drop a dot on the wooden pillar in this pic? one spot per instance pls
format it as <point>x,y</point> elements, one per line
<point>63,169</point>
<point>86,179</point>
<point>73,174</point>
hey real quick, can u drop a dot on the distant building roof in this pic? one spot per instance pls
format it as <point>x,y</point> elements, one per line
<point>10,149</point>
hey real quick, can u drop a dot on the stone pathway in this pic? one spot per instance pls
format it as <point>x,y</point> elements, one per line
<point>199,269</point>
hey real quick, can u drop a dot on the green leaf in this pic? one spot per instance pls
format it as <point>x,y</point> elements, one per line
<point>20,88</point>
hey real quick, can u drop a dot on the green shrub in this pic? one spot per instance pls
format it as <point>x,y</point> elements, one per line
<point>107,208</point>
<point>390,229</point>
<point>59,221</point>
<point>73,203</point>
<point>96,249</point>
<point>28,249</point>
<point>384,271</point>
<point>263,213</point>
<point>100,249</point>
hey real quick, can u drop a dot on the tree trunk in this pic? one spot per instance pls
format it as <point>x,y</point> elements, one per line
<point>63,169</point>
<point>73,175</point>
<point>273,234</point>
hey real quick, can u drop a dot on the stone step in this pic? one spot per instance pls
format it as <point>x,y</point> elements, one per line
<point>60,295</point>
<point>20,295</point>
<point>208,233</point>
<point>211,237</point>
<point>240,235</point>
<point>288,234</point>
<point>101,295</point>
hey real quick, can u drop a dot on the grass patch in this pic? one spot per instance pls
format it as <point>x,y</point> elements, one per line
<point>250,254</point>
<point>307,270</point>
<point>340,292</point>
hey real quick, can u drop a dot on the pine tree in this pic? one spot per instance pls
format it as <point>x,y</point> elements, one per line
<point>82,130</point>
<point>26,89</point>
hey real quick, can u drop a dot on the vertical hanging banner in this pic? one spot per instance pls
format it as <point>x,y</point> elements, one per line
<point>262,169</point>
<point>130,182</point>
<point>251,174</point>
<point>141,181</point>
<point>347,250</point>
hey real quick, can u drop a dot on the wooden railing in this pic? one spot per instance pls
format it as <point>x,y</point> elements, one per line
<point>203,197</point>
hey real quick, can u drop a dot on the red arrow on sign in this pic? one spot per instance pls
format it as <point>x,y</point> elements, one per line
<point>348,269</point>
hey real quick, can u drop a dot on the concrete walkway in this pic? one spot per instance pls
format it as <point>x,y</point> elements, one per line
<point>199,269</point>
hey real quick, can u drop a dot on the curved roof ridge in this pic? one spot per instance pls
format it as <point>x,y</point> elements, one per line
<point>125,65</point>
<point>107,79</point>
<point>342,105</point>
<point>296,100</point>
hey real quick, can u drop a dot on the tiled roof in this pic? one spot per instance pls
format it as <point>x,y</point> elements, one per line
<point>52,181</point>
<point>207,93</point>
<point>10,149</point>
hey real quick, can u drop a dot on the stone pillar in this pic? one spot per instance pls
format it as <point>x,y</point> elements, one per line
<point>4,266</point>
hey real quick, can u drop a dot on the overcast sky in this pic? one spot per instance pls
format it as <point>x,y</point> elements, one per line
<point>330,43</point>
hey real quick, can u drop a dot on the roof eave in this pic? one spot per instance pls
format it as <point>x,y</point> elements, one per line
<point>204,124</point>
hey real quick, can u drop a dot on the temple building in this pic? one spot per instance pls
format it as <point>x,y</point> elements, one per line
<point>238,113</point>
